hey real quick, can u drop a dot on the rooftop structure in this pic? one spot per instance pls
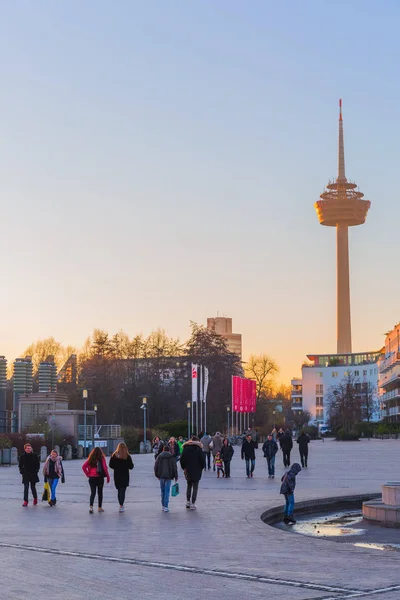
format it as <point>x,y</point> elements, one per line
<point>389,376</point>
<point>342,206</point>
<point>223,326</point>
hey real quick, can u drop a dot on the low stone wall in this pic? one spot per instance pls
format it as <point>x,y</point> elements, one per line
<point>273,515</point>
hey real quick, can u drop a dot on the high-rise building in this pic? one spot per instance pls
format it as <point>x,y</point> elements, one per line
<point>342,206</point>
<point>223,326</point>
<point>22,378</point>
<point>3,394</point>
<point>389,377</point>
<point>48,375</point>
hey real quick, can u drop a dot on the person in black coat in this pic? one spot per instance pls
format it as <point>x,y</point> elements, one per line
<point>226,454</point>
<point>121,463</point>
<point>303,440</point>
<point>249,454</point>
<point>286,443</point>
<point>192,462</point>
<point>29,465</point>
<point>270,448</point>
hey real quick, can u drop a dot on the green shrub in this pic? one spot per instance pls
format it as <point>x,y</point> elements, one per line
<point>347,436</point>
<point>174,429</point>
<point>5,442</point>
<point>311,430</point>
<point>133,436</point>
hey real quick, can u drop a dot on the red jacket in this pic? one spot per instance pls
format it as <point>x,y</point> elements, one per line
<point>92,471</point>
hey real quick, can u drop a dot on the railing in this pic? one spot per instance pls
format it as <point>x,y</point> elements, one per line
<point>390,395</point>
<point>99,431</point>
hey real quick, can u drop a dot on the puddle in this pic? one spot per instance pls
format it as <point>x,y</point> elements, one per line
<point>395,547</point>
<point>335,525</point>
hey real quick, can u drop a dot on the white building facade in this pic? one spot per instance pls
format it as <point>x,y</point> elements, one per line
<point>389,377</point>
<point>322,372</point>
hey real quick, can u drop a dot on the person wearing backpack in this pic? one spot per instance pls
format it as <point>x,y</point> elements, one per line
<point>95,469</point>
<point>121,463</point>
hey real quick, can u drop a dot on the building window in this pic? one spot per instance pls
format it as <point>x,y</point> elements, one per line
<point>365,372</point>
<point>319,401</point>
<point>357,373</point>
<point>319,388</point>
<point>335,373</point>
<point>320,414</point>
<point>371,371</point>
<point>319,373</point>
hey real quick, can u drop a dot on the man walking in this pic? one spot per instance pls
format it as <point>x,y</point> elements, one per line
<point>286,443</point>
<point>192,463</point>
<point>270,448</point>
<point>206,441</point>
<point>303,440</point>
<point>165,470</point>
<point>248,453</point>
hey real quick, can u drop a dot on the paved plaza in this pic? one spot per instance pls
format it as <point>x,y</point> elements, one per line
<point>221,550</point>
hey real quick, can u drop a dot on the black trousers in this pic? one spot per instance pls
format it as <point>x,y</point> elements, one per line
<point>96,485</point>
<point>191,491</point>
<point>121,495</point>
<point>26,490</point>
<point>286,457</point>
<point>303,456</point>
<point>227,465</point>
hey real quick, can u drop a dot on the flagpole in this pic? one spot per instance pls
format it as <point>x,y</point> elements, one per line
<point>201,397</point>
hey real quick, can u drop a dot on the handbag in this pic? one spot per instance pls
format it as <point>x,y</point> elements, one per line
<point>175,490</point>
<point>100,469</point>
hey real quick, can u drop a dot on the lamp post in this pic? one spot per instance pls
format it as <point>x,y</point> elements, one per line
<point>228,410</point>
<point>95,418</point>
<point>144,408</point>
<point>273,414</point>
<point>188,406</point>
<point>84,396</point>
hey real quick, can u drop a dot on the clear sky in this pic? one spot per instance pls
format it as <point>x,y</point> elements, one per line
<point>159,162</point>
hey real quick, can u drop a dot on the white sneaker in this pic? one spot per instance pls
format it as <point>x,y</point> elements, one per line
<point>166,509</point>
<point>188,504</point>
<point>192,507</point>
<point>121,509</point>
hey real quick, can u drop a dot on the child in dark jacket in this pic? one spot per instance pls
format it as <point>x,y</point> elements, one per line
<point>287,489</point>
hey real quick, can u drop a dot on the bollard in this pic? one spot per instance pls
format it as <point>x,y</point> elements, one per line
<point>141,448</point>
<point>80,451</point>
<point>14,456</point>
<point>57,447</point>
<point>69,452</point>
<point>43,453</point>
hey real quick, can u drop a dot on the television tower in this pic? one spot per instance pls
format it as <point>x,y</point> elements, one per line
<point>341,206</point>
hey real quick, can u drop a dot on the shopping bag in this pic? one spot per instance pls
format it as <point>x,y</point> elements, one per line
<point>175,490</point>
<point>46,493</point>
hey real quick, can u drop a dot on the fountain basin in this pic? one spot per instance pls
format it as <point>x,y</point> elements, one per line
<point>386,512</point>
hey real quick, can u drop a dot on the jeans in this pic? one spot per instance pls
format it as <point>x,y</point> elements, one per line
<point>286,457</point>
<point>253,464</point>
<point>207,459</point>
<point>303,456</point>
<point>53,483</point>
<point>96,484</point>
<point>289,507</point>
<point>191,490</point>
<point>227,465</point>
<point>121,495</point>
<point>271,465</point>
<point>165,485</point>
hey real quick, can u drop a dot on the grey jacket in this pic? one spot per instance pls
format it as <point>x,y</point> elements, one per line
<point>217,443</point>
<point>206,440</point>
<point>165,466</point>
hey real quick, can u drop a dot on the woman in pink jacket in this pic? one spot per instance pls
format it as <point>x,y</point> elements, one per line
<point>95,469</point>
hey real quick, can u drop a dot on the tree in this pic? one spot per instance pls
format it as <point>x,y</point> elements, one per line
<point>345,404</point>
<point>262,368</point>
<point>370,403</point>
<point>41,349</point>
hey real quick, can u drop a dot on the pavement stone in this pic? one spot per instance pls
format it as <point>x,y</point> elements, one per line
<point>225,535</point>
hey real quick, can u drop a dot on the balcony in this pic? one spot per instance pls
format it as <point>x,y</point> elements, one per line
<point>297,406</point>
<point>387,363</point>
<point>390,395</point>
<point>296,393</point>
<point>390,376</point>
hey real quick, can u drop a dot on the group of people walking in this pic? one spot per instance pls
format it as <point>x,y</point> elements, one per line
<point>194,457</point>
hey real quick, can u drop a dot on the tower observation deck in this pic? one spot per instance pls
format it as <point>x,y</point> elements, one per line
<point>342,206</point>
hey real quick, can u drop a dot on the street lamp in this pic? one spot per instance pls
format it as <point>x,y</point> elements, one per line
<point>188,406</point>
<point>144,408</point>
<point>273,414</point>
<point>84,396</point>
<point>228,410</point>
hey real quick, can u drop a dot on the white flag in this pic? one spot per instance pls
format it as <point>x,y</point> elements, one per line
<point>194,382</point>
<point>205,388</point>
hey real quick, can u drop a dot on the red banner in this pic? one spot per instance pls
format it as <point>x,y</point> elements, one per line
<point>243,395</point>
